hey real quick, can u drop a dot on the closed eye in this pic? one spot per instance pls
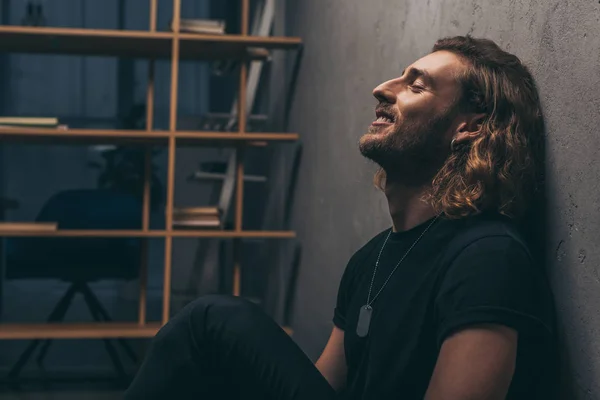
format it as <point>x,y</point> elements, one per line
<point>417,84</point>
<point>418,78</point>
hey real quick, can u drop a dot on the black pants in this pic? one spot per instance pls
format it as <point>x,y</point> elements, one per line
<point>222,347</point>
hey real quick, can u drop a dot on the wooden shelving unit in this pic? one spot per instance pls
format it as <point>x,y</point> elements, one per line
<point>223,234</point>
<point>137,44</point>
<point>152,45</point>
<point>77,331</point>
<point>199,138</point>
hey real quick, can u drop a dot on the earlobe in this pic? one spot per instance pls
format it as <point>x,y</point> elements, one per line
<point>462,134</point>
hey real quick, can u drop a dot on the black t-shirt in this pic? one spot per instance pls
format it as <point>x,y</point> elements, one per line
<point>462,272</point>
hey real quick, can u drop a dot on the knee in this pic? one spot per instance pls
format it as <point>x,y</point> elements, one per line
<point>205,314</point>
<point>219,301</point>
<point>217,307</point>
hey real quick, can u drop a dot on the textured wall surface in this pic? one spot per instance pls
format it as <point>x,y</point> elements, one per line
<point>351,46</point>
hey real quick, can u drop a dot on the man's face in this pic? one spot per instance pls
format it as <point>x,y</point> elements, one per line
<point>415,118</point>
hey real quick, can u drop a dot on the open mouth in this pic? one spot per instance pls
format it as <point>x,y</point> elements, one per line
<point>383,118</point>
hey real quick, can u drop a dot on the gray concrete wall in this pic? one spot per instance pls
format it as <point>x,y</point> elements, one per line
<point>353,45</point>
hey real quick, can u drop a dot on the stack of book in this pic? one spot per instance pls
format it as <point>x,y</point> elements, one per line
<point>28,226</point>
<point>196,217</point>
<point>30,122</point>
<point>207,26</point>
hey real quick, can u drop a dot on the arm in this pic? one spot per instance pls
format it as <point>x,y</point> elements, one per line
<point>332,363</point>
<point>476,363</point>
<point>492,295</point>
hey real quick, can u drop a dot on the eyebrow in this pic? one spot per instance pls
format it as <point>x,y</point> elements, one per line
<point>417,72</point>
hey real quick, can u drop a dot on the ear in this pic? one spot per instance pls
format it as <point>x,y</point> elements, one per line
<point>469,128</point>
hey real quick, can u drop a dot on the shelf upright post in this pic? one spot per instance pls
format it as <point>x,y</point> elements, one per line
<point>147,178</point>
<point>239,182</point>
<point>171,162</point>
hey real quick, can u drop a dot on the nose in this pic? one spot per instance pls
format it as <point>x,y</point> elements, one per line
<point>384,93</point>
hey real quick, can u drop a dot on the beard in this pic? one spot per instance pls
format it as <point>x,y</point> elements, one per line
<point>412,151</point>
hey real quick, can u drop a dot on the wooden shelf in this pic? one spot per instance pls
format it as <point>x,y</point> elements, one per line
<point>134,44</point>
<point>235,234</point>
<point>86,136</point>
<point>78,330</point>
<point>151,233</point>
<point>221,138</point>
<point>204,138</point>
<point>83,233</point>
<point>103,330</point>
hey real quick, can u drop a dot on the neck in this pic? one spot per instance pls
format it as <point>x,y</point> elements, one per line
<point>406,207</point>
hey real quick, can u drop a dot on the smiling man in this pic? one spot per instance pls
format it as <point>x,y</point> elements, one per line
<point>446,304</point>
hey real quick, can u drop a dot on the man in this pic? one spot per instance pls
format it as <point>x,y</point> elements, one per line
<point>447,304</point>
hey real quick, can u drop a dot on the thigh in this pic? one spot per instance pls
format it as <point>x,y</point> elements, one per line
<point>227,348</point>
<point>254,352</point>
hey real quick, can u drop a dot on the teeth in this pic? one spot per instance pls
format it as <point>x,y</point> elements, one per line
<point>384,119</point>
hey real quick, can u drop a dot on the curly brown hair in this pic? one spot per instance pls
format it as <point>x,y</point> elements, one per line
<point>501,168</point>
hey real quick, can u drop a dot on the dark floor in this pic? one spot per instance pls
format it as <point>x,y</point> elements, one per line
<point>63,391</point>
<point>64,387</point>
<point>77,369</point>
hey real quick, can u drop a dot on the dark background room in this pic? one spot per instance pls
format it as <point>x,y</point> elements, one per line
<point>142,167</point>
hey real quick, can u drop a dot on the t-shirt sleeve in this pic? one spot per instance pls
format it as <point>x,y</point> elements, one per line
<point>493,281</point>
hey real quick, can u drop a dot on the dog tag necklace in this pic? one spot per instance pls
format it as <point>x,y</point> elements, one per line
<point>364,315</point>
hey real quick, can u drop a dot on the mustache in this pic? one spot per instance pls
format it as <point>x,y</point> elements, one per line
<point>386,109</point>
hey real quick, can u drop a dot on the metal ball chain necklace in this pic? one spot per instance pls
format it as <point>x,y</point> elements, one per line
<point>364,316</point>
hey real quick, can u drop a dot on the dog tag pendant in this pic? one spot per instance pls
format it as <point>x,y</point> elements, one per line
<point>364,320</point>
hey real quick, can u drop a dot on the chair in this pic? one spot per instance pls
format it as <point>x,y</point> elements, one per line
<point>79,261</point>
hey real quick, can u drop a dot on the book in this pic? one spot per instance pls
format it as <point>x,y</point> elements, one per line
<point>29,121</point>
<point>191,217</point>
<point>202,22</point>
<point>204,222</point>
<point>208,26</point>
<point>28,226</point>
<point>26,128</point>
<point>196,224</point>
<point>196,217</point>
<point>196,211</point>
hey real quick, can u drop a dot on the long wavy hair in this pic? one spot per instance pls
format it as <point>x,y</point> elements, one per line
<point>500,169</point>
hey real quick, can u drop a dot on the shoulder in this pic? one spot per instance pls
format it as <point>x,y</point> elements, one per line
<point>490,250</point>
<point>485,234</point>
<point>491,276</point>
